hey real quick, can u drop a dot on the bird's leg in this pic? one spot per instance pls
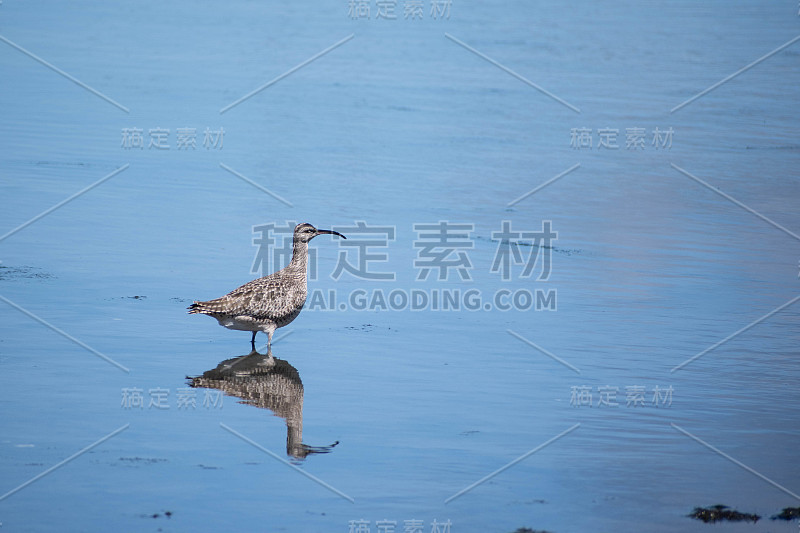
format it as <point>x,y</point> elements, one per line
<point>269,342</point>
<point>253,341</point>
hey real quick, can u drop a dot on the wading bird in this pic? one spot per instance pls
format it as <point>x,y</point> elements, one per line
<point>268,303</point>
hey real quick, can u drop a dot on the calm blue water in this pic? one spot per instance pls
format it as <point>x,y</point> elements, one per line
<point>401,125</point>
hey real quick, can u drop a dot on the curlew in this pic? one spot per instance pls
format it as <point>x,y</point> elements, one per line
<point>268,303</point>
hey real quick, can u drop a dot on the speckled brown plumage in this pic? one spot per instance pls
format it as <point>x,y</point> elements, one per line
<point>267,303</point>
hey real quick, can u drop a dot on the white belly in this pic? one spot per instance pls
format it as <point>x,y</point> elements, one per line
<point>243,323</point>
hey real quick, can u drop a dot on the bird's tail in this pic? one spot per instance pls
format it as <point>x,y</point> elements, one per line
<point>204,308</point>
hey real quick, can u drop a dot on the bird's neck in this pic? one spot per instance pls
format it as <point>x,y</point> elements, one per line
<point>299,256</point>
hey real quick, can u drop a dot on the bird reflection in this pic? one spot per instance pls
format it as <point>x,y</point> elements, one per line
<point>267,382</point>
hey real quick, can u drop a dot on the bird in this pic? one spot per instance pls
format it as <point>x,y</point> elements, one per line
<point>268,303</point>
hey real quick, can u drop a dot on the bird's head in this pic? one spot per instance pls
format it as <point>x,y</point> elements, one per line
<point>305,232</point>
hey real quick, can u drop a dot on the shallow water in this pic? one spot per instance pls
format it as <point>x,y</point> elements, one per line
<point>402,125</point>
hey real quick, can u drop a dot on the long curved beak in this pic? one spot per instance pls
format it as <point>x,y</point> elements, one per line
<point>331,232</point>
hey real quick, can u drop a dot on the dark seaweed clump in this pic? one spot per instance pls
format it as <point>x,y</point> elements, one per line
<point>788,513</point>
<point>719,513</point>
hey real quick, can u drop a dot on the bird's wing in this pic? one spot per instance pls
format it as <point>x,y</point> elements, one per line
<point>265,297</point>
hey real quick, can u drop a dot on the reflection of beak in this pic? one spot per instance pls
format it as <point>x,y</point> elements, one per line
<point>330,231</point>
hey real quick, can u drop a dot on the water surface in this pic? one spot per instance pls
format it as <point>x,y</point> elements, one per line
<point>401,125</point>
